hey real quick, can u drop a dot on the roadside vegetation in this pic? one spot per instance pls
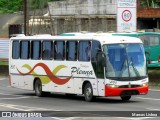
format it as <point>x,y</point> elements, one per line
<point>3,62</point>
<point>149,3</point>
<point>3,68</point>
<point>12,6</point>
<point>154,77</point>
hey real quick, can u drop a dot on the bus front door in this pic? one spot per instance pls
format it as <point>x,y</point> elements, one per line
<point>100,75</point>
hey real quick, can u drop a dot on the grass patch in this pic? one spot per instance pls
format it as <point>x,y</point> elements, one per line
<point>3,62</point>
<point>4,70</point>
<point>154,77</point>
<point>154,74</point>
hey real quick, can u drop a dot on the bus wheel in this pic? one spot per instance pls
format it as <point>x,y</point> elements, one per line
<point>88,92</point>
<point>125,98</point>
<point>38,88</point>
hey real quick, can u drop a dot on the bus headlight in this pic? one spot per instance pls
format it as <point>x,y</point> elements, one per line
<point>145,84</point>
<point>112,86</point>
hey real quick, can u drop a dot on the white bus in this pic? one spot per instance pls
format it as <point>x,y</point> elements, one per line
<point>89,65</point>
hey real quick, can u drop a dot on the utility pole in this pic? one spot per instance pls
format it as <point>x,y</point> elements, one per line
<point>25,17</point>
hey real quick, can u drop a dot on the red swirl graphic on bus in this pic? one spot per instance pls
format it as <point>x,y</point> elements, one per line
<point>49,73</point>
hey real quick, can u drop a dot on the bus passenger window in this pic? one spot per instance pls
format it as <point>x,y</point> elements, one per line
<point>25,47</point>
<point>71,51</point>
<point>15,49</point>
<point>47,50</point>
<point>59,48</point>
<point>36,50</point>
<point>84,51</point>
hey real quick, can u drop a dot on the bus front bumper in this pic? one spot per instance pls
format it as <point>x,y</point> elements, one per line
<point>109,91</point>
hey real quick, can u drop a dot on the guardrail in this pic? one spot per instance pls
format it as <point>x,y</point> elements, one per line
<point>4,49</point>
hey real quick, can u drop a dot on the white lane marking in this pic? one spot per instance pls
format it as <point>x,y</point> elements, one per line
<point>15,98</point>
<point>10,94</point>
<point>154,90</point>
<point>12,107</point>
<point>72,118</point>
<point>153,109</point>
<point>28,108</point>
<point>56,118</point>
<point>3,78</point>
<point>147,98</point>
<point>135,118</point>
<point>68,118</point>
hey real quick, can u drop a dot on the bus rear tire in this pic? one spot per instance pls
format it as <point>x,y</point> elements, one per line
<point>88,92</point>
<point>125,98</point>
<point>38,88</point>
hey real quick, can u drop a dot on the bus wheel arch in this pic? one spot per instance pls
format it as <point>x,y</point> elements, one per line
<point>87,90</point>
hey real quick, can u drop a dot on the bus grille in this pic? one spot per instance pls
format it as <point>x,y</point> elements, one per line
<point>129,92</point>
<point>129,86</point>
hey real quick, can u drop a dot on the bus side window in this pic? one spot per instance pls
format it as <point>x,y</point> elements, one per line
<point>71,50</point>
<point>84,51</point>
<point>47,50</point>
<point>25,49</point>
<point>15,49</point>
<point>36,50</point>
<point>59,50</point>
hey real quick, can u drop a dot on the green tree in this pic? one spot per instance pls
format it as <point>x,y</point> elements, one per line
<point>10,6</point>
<point>150,3</point>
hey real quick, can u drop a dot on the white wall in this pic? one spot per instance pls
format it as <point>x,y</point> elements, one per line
<point>83,7</point>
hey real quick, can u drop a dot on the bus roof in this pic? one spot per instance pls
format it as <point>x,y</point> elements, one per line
<point>137,33</point>
<point>85,34</point>
<point>104,39</point>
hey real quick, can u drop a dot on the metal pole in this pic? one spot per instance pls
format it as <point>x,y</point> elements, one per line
<point>25,17</point>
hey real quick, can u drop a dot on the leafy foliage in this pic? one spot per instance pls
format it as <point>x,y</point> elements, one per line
<point>11,6</point>
<point>149,3</point>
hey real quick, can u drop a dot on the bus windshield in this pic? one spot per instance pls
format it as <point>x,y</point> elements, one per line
<point>125,60</point>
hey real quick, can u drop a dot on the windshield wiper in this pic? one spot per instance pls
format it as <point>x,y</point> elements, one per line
<point>135,69</point>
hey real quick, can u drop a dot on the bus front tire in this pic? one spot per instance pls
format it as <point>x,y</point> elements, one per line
<point>125,98</point>
<point>38,88</point>
<point>88,92</point>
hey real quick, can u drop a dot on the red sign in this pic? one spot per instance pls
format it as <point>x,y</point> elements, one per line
<point>126,15</point>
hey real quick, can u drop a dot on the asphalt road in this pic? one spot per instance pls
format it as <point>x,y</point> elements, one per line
<point>59,106</point>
